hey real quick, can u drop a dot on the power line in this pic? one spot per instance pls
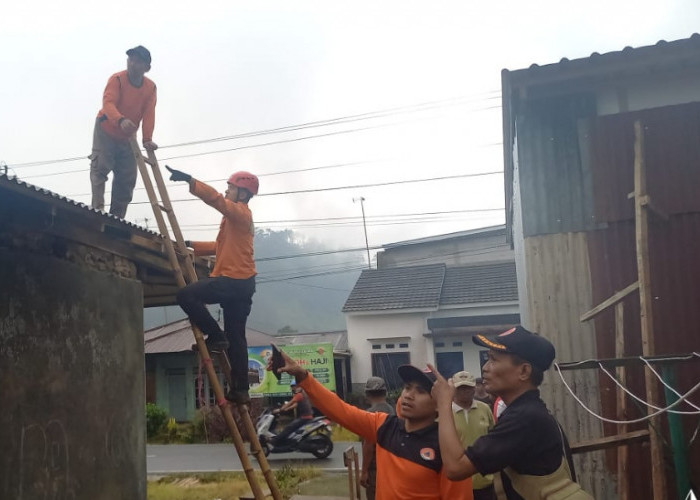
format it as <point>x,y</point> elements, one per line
<point>332,121</point>
<point>357,218</point>
<point>311,275</point>
<point>356,186</point>
<point>315,254</point>
<point>264,144</point>
<point>281,172</point>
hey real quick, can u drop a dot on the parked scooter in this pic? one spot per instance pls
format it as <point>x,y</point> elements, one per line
<point>313,437</point>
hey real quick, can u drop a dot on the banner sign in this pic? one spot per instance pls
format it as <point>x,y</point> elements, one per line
<point>317,358</point>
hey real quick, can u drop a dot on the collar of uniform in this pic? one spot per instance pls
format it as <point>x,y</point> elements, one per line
<point>456,408</point>
<point>526,397</point>
<point>425,430</point>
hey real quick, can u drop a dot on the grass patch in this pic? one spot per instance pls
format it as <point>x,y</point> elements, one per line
<point>225,485</point>
<point>342,434</point>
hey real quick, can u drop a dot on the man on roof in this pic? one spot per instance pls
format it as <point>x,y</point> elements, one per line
<point>128,99</point>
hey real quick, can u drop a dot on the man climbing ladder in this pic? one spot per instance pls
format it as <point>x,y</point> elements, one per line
<point>232,281</point>
<point>184,273</point>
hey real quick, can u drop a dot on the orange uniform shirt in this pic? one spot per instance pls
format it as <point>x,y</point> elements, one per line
<point>409,466</point>
<point>234,243</point>
<point>122,100</point>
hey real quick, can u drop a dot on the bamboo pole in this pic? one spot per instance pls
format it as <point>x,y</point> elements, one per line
<point>623,484</point>
<point>641,216</point>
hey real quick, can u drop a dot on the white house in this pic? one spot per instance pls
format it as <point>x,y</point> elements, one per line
<point>419,314</point>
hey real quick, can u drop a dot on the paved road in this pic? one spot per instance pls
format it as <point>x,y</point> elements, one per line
<point>169,458</point>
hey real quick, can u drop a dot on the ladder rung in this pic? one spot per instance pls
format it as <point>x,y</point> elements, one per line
<point>166,210</point>
<point>149,161</point>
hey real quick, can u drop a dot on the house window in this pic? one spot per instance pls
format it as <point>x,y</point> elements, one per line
<point>456,344</point>
<point>403,346</point>
<point>390,346</point>
<point>376,346</point>
<point>439,344</point>
<point>385,365</point>
<point>449,363</point>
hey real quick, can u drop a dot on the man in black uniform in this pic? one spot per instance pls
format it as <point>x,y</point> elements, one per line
<point>527,444</point>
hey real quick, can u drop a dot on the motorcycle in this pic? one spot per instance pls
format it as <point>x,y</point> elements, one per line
<point>313,437</point>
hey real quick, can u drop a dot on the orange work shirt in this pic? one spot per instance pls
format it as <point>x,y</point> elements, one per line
<point>409,465</point>
<point>122,100</point>
<point>234,243</point>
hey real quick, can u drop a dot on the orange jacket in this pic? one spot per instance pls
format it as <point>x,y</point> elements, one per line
<point>234,243</point>
<point>409,466</point>
<point>122,100</point>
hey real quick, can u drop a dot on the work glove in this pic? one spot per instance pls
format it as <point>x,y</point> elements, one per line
<point>176,175</point>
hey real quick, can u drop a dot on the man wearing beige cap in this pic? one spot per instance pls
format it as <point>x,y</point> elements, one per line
<point>473,419</point>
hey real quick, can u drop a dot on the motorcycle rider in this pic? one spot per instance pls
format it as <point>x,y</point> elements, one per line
<point>305,413</point>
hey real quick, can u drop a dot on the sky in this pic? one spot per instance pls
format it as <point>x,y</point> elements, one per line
<point>411,90</point>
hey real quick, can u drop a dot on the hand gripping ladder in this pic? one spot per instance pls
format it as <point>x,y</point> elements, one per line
<point>184,270</point>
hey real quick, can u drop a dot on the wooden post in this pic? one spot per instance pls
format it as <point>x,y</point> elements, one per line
<point>641,216</point>
<point>623,485</point>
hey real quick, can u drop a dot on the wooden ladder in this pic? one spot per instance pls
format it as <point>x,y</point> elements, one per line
<point>182,263</point>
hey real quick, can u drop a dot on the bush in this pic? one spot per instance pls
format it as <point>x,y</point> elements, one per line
<point>209,425</point>
<point>155,419</point>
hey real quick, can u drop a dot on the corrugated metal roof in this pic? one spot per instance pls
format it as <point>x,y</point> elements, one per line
<point>415,287</point>
<point>476,284</point>
<point>177,337</point>
<point>18,185</point>
<point>674,52</point>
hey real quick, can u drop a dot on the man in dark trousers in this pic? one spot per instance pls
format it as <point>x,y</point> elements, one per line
<point>128,98</point>
<point>232,281</point>
<point>527,445</point>
<point>375,391</point>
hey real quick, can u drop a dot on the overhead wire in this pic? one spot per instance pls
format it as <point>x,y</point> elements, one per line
<point>355,186</point>
<point>290,128</point>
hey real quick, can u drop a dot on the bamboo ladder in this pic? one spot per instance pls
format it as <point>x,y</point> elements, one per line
<point>184,271</point>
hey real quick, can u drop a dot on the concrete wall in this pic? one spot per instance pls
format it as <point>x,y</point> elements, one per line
<point>476,249</point>
<point>72,423</point>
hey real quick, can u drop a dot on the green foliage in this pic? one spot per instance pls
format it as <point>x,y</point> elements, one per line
<point>209,425</point>
<point>341,434</point>
<point>289,477</point>
<point>155,419</point>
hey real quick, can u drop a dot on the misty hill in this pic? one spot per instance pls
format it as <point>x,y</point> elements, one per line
<point>304,293</point>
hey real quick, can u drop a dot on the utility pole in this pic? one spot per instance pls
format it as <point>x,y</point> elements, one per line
<point>361,199</point>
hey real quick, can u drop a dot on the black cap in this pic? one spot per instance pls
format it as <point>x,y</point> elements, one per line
<point>529,346</point>
<point>410,373</point>
<point>141,52</point>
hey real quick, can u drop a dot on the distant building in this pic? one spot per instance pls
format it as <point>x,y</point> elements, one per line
<point>173,377</point>
<point>426,300</point>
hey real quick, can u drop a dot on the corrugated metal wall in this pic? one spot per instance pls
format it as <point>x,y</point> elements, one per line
<point>575,173</point>
<point>560,291</point>
<point>555,182</point>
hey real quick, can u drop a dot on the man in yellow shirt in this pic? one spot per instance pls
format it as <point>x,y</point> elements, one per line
<point>473,419</point>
